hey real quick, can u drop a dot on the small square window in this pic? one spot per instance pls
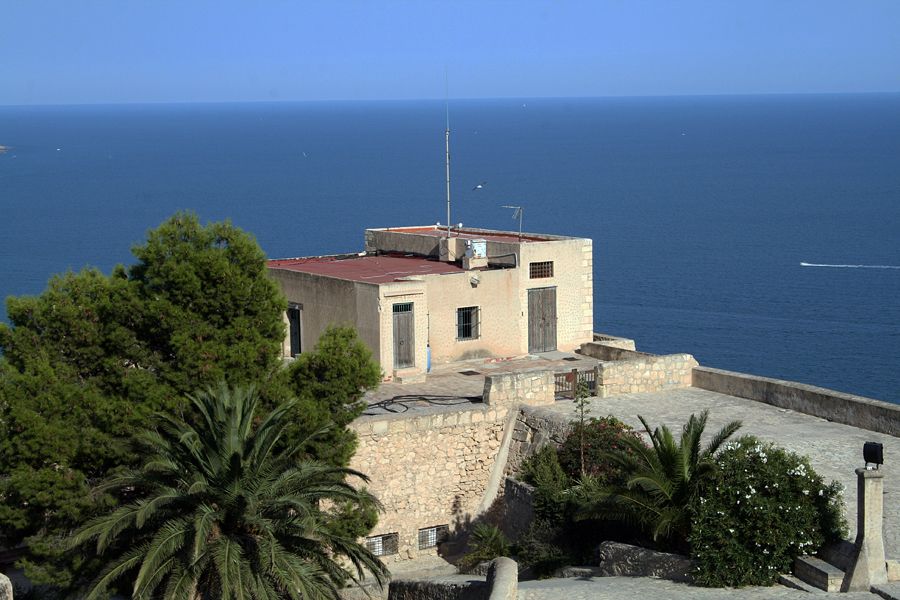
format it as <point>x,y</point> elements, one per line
<point>540,270</point>
<point>467,323</point>
<point>430,537</point>
<point>383,545</point>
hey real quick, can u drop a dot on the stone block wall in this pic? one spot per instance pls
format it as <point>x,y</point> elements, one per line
<point>645,374</point>
<point>534,388</point>
<point>427,469</point>
<point>533,428</point>
<point>518,503</point>
<point>443,466</point>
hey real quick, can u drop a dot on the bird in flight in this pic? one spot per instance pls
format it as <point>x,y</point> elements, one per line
<point>479,186</point>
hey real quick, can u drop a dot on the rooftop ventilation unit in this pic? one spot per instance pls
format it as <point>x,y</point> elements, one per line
<point>476,249</point>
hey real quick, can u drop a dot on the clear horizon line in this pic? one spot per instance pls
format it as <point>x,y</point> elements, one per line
<point>442,99</point>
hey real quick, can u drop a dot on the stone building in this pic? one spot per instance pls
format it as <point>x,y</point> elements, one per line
<point>417,294</point>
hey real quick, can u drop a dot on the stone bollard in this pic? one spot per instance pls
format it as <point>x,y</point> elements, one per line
<point>868,567</point>
<point>6,590</point>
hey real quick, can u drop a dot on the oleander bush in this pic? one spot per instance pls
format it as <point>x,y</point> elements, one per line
<point>602,436</point>
<point>765,507</point>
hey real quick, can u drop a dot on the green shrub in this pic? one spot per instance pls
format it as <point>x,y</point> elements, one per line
<point>486,543</point>
<point>541,548</point>
<point>765,507</point>
<point>663,482</point>
<point>542,470</point>
<point>601,436</point>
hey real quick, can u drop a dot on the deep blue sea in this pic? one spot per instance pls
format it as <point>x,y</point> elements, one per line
<point>702,209</point>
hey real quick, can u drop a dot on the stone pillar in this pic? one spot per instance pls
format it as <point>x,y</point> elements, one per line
<point>868,567</point>
<point>6,590</point>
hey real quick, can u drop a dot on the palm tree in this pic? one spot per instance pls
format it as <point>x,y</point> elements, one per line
<point>663,480</point>
<point>218,511</point>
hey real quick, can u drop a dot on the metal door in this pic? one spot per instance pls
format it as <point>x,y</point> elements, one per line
<point>541,320</point>
<point>404,336</point>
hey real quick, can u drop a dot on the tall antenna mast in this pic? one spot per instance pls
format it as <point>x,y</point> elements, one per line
<point>447,142</point>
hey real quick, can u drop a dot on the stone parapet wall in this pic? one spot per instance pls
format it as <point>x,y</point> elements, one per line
<point>534,388</point>
<point>503,579</point>
<point>645,374</point>
<point>602,350</point>
<point>461,587</point>
<point>839,407</point>
<point>614,341</point>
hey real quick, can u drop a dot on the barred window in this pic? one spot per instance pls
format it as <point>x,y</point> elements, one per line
<point>430,537</point>
<point>539,270</point>
<point>383,545</point>
<point>403,307</point>
<point>467,323</point>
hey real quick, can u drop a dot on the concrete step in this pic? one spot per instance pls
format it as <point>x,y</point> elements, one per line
<point>411,375</point>
<point>818,573</point>
<point>788,580</point>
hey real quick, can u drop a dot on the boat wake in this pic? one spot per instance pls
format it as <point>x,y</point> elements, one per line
<point>806,264</point>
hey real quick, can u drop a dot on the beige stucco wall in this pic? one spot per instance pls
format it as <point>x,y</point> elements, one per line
<point>573,278</point>
<point>498,300</point>
<point>501,296</point>
<point>328,301</point>
<point>396,293</point>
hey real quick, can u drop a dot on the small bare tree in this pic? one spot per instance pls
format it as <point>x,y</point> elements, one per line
<point>582,405</point>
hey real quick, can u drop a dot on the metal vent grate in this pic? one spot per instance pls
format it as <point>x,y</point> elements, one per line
<point>432,536</point>
<point>539,270</point>
<point>383,545</point>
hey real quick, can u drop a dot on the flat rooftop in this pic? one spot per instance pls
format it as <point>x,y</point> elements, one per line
<point>383,268</point>
<point>489,235</point>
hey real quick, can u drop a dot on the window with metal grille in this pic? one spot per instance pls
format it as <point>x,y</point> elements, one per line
<point>539,270</point>
<point>383,545</point>
<point>467,323</point>
<point>432,536</point>
<point>403,307</point>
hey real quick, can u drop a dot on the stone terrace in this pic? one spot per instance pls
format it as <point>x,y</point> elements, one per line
<point>457,383</point>
<point>834,450</point>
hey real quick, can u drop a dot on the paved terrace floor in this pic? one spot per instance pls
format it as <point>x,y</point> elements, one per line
<point>463,382</point>
<point>616,588</point>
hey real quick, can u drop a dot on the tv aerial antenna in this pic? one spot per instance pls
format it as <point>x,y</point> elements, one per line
<point>447,143</point>
<point>518,213</point>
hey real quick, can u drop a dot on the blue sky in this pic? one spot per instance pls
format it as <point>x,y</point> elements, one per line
<point>108,51</point>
